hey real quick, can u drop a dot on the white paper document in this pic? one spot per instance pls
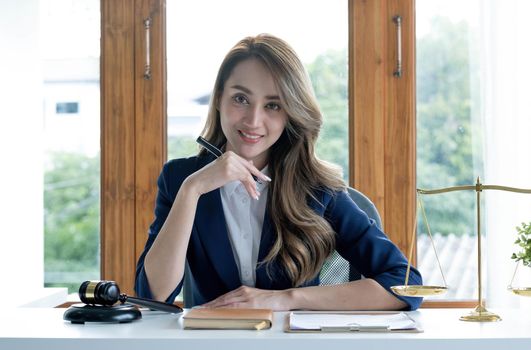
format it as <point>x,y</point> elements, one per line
<point>350,321</point>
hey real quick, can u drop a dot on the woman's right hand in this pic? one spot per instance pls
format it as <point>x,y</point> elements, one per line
<point>229,167</point>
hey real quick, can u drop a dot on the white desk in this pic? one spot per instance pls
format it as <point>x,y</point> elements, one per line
<point>44,328</point>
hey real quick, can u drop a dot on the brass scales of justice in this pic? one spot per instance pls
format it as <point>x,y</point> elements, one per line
<point>480,313</point>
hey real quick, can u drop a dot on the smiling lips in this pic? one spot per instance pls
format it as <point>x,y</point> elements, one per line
<point>249,137</point>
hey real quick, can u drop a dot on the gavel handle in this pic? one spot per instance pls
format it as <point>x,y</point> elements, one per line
<point>152,304</point>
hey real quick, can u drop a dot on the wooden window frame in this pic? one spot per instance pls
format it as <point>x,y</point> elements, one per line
<point>382,120</point>
<point>133,131</point>
<point>382,134</point>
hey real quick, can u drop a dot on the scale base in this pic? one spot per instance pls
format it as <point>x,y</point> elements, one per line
<point>81,313</point>
<point>480,314</point>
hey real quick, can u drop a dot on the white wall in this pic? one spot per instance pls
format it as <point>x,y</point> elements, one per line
<point>505,77</point>
<point>21,174</point>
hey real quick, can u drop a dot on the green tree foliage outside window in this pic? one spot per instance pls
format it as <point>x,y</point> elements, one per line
<point>182,146</point>
<point>444,129</point>
<point>71,220</point>
<point>329,75</point>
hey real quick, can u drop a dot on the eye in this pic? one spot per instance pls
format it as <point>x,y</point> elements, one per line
<point>273,106</point>
<point>240,99</point>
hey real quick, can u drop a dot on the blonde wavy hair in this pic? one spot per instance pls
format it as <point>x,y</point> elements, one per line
<point>303,238</point>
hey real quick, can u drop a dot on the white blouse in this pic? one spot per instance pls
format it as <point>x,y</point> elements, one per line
<point>244,216</point>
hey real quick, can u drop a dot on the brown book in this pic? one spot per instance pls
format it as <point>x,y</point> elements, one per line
<point>228,318</point>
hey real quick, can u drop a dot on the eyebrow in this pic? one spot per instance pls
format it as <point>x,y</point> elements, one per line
<point>247,91</point>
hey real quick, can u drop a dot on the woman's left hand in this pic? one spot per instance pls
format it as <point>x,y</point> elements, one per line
<point>248,297</point>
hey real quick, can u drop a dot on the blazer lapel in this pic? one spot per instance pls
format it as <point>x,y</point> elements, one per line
<point>212,231</point>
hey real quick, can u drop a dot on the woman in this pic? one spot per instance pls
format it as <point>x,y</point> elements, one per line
<point>262,243</point>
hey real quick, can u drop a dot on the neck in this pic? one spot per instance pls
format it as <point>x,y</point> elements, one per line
<point>259,163</point>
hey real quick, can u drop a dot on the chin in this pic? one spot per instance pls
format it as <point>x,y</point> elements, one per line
<point>250,154</point>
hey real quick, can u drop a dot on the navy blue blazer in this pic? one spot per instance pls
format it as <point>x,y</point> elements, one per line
<point>210,256</point>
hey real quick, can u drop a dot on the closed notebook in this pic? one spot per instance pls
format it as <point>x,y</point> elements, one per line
<point>228,318</point>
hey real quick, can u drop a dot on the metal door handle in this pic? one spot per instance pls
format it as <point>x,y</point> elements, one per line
<point>147,66</point>
<point>398,21</point>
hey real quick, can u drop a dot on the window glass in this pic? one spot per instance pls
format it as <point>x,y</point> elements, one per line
<point>67,108</point>
<point>473,122</point>
<point>71,140</point>
<point>317,30</point>
<point>449,149</point>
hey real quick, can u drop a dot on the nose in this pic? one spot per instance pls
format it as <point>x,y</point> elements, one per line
<point>254,117</point>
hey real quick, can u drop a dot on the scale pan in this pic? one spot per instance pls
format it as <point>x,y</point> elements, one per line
<point>418,291</point>
<point>524,291</point>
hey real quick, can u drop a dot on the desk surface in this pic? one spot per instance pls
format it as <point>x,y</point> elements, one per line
<point>44,328</point>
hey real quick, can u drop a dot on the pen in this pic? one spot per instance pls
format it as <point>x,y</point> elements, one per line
<point>216,151</point>
<point>209,147</point>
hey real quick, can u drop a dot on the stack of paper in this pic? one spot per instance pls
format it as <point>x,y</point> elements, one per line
<point>355,321</point>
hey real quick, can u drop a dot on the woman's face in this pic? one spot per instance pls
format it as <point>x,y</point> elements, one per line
<point>252,117</point>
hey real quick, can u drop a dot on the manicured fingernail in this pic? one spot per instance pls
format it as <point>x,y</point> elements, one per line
<point>267,178</point>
